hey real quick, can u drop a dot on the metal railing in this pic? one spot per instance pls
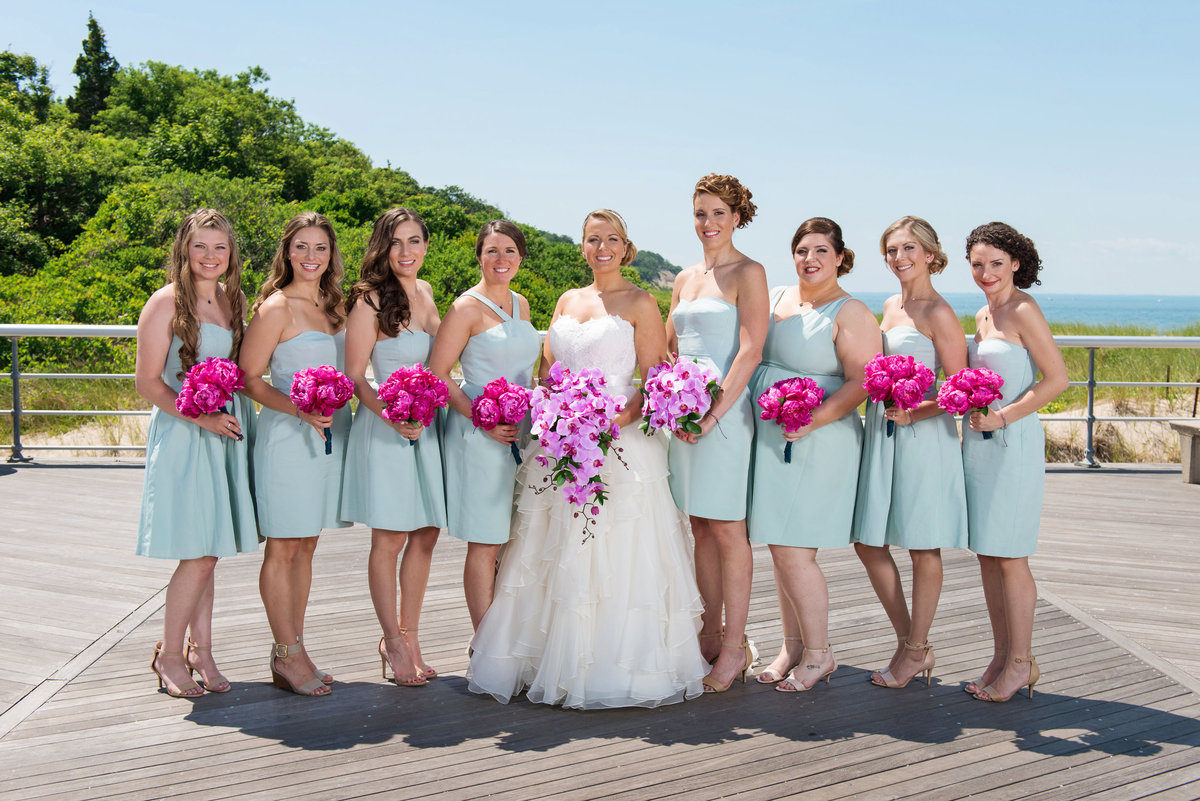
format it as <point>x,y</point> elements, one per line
<point>15,332</point>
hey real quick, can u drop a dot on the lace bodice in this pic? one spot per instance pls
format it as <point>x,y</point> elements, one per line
<point>602,343</point>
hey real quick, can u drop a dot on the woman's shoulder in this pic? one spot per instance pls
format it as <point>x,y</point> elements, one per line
<point>160,306</point>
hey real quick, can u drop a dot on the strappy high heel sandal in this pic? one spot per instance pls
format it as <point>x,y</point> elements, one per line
<point>973,687</point>
<point>926,668</point>
<point>221,686</point>
<point>313,687</point>
<point>189,689</point>
<point>711,685</point>
<point>320,674</point>
<point>426,670</point>
<point>988,693</point>
<point>792,685</point>
<point>711,636</point>
<point>418,680</point>
<point>769,676</point>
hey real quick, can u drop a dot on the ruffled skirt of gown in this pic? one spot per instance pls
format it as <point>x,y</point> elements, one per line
<point>611,622</point>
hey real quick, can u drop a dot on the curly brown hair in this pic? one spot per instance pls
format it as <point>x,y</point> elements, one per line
<point>923,232</point>
<point>831,230</point>
<point>331,281</point>
<point>1019,248</point>
<point>731,192</point>
<point>394,309</point>
<point>185,323</point>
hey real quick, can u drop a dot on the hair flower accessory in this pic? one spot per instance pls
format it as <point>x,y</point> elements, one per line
<point>321,391</point>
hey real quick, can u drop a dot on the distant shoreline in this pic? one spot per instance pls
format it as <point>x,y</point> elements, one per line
<point>1160,313</point>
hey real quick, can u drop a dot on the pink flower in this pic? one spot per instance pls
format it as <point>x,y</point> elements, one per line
<point>676,396</point>
<point>208,386</point>
<point>485,413</point>
<point>791,402</point>
<point>320,390</point>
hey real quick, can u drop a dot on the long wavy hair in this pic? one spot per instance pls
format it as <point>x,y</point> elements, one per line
<point>394,309</point>
<point>185,323</point>
<point>282,273</point>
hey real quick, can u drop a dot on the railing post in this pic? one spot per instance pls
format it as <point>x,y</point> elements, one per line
<point>15,375</point>
<point>1089,454</point>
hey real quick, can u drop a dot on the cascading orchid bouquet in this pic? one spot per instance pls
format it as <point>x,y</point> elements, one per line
<point>501,402</point>
<point>968,389</point>
<point>208,386</point>
<point>791,402</point>
<point>413,395</point>
<point>321,391</point>
<point>677,396</point>
<point>897,381</point>
<point>574,419</point>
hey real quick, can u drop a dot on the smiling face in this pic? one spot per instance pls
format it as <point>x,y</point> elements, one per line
<point>208,254</point>
<point>992,268</point>
<point>714,220</point>
<point>603,245</point>
<point>407,251</point>
<point>906,257</point>
<point>817,260</point>
<point>309,253</point>
<point>499,258</point>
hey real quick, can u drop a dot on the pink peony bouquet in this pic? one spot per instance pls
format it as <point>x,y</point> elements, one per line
<point>790,403</point>
<point>968,389</point>
<point>208,386</point>
<point>413,395</point>
<point>321,391</point>
<point>897,381</point>
<point>501,402</point>
<point>677,396</point>
<point>574,419</point>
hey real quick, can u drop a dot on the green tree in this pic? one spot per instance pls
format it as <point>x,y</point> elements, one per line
<point>97,71</point>
<point>25,84</point>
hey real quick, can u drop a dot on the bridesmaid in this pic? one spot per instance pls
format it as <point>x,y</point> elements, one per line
<point>718,318</point>
<point>1005,474</point>
<point>196,503</point>
<point>297,323</point>
<point>910,485</point>
<point>816,330</point>
<point>393,480</point>
<point>487,330</point>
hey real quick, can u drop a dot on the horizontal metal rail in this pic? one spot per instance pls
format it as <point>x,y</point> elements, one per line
<point>15,332</point>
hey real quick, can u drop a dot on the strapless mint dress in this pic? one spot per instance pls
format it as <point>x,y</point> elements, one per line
<point>709,478</point>
<point>910,485</point>
<point>480,473</point>
<point>1005,475</point>
<point>391,483</point>
<point>197,494</point>
<point>298,485</point>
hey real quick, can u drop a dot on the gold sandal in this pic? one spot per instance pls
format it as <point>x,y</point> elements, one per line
<point>221,686</point>
<point>314,687</point>
<point>186,690</point>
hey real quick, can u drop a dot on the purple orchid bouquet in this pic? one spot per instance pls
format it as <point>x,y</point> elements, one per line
<point>574,419</point>
<point>501,402</point>
<point>897,381</point>
<point>321,391</point>
<point>413,395</point>
<point>968,389</point>
<point>677,396</point>
<point>790,403</point>
<point>208,386</point>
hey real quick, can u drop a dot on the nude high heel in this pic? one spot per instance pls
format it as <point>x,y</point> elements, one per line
<point>769,676</point>
<point>711,685</point>
<point>926,668</point>
<point>186,690</point>
<point>989,693</point>
<point>426,670</point>
<point>792,685</point>
<point>221,686</point>
<point>418,680</point>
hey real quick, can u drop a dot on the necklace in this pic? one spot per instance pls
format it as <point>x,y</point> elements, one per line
<point>912,300</point>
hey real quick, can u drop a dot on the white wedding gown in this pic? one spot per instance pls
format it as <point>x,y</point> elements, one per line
<point>611,622</point>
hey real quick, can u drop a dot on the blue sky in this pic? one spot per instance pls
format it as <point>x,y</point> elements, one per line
<point>1077,122</point>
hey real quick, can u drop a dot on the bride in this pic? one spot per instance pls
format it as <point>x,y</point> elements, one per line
<point>610,622</point>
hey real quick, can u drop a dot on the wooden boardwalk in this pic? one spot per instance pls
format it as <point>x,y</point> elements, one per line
<point>1115,716</point>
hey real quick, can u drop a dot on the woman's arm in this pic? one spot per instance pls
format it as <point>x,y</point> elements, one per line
<point>857,340</point>
<point>672,337</point>
<point>153,347</point>
<point>262,335</point>
<point>1035,335</point>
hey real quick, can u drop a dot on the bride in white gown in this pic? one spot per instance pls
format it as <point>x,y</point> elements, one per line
<point>611,622</point>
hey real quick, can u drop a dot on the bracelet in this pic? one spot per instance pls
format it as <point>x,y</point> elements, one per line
<point>1003,419</point>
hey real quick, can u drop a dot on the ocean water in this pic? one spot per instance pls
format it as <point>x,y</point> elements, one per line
<point>1161,313</point>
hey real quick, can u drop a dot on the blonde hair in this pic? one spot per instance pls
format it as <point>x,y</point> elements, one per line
<point>618,222</point>
<point>923,232</point>
<point>185,323</point>
<point>282,273</point>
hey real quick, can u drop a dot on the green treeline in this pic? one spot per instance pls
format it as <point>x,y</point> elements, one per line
<point>92,189</point>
